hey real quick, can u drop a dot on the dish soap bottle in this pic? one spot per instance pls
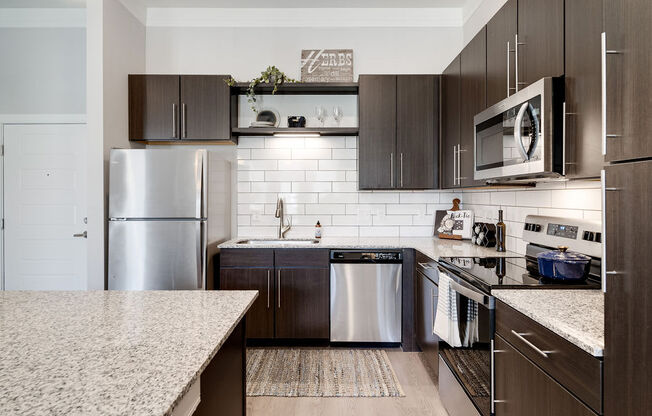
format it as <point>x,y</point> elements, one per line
<point>500,232</point>
<point>318,230</point>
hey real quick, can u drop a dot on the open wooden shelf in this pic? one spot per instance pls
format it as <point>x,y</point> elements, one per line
<point>322,131</point>
<point>301,88</point>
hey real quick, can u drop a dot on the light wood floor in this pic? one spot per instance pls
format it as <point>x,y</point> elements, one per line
<point>421,397</point>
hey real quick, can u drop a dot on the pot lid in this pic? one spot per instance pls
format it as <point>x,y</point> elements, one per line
<point>562,254</point>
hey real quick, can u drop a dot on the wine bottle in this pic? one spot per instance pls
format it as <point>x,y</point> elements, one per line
<point>500,232</point>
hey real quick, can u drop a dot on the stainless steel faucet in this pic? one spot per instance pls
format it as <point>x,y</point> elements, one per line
<point>282,230</point>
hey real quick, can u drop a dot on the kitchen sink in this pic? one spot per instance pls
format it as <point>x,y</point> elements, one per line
<point>279,242</point>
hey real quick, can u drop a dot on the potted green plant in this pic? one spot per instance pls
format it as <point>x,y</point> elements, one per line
<point>272,75</point>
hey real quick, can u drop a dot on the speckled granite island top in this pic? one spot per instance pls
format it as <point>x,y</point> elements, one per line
<point>576,315</point>
<point>107,352</point>
<point>430,246</point>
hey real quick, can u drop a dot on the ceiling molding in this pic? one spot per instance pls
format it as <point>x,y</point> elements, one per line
<point>35,17</point>
<point>305,17</point>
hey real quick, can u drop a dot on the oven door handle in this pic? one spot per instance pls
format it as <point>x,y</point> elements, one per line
<point>479,297</point>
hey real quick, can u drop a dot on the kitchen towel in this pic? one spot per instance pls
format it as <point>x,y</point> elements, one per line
<point>446,325</point>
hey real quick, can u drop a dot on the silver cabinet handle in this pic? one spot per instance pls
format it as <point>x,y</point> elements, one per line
<point>516,45</point>
<point>268,277</point>
<point>604,52</point>
<point>174,121</point>
<point>459,165</point>
<point>563,137</point>
<point>432,310</point>
<point>454,165</point>
<point>509,51</point>
<point>278,288</point>
<point>531,345</point>
<point>391,170</point>
<point>81,235</point>
<point>401,161</point>
<point>184,130</point>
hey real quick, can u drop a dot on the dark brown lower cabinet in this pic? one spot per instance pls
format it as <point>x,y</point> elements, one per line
<point>427,298</point>
<point>522,388</point>
<point>260,318</point>
<point>628,299</point>
<point>302,303</point>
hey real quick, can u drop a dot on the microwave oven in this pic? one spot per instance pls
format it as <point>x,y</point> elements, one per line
<point>522,137</point>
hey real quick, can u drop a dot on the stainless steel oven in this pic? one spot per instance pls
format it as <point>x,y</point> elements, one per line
<point>522,137</point>
<point>465,370</point>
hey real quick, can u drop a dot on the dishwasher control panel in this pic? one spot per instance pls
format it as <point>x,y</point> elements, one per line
<point>361,256</point>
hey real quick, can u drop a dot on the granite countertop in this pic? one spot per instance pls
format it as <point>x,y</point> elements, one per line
<point>108,352</point>
<point>430,246</point>
<point>576,315</point>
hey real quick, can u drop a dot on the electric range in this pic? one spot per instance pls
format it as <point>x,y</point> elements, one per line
<point>466,347</point>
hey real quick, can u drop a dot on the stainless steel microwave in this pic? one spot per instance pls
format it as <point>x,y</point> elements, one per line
<point>522,136</point>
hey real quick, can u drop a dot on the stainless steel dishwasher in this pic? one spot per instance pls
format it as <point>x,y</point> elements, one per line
<point>366,296</point>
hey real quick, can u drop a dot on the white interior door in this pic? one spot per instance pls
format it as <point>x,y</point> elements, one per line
<point>45,206</point>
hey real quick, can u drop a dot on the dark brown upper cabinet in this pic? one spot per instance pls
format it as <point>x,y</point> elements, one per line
<point>377,137</point>
<point>473,81</point>
<point>417,131</point>
<point>399,126</point>
<point>627,374</point>
<point>540,48</point>
<point>450,123</point>
<point>583,89</point>
<point>501,35</point>
<point>179,107</point>
<point>628,79</point>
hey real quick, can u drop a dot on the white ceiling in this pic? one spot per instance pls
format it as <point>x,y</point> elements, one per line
<point>305,3</point>
<point>49,4</point>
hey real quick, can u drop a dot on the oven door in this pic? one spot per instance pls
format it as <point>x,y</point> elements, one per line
<point>465,379</point>
<point>514,138</point>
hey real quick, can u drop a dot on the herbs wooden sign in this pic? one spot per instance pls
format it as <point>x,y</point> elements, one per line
<point>327,65</point>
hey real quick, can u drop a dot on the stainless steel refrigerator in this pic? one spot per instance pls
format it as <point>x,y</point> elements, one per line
<point>158,215</point>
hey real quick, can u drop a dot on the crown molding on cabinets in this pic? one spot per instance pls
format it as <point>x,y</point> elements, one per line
<point>305,17</point>
<point>38,17</point>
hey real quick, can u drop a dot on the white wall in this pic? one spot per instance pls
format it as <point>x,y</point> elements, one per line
<point>245,52</point>
<point>42,70</point>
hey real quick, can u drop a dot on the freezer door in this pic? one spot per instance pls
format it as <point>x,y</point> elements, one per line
<point>157,183</point>
<point>153,255</point>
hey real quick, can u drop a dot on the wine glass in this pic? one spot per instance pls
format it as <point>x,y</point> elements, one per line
<point>321,114</point>
<point>337,114</point>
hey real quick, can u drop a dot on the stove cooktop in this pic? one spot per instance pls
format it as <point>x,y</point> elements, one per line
<point>507,273</point>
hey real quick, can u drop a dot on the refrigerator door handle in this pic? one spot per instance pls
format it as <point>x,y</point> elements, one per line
<point>201,255</point>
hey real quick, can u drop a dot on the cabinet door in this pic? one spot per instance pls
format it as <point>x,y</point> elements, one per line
<point>417,131</point>
<point>583,98</point>
<point>541,39</point>
<point>473,75</point>
<point>427,297</point>
<point>153,107</point>
<point>450,127</point>
<point>205,107</point>
<point>627,377</point>
<point>302,303</point>
<point>260,318</point>
<point>377,137</point>
<point>629,80</point>
<point>521,388</point>
<point>501,31</point>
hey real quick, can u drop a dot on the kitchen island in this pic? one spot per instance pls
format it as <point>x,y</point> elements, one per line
<point>122,353</point>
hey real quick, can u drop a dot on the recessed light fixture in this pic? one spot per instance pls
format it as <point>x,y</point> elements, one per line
<point>297,135</point>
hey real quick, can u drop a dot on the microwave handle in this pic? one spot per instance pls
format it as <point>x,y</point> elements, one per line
<point>518,138</point>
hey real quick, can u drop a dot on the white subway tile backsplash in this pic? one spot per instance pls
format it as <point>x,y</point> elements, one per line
<point>325,209</point>
<point>311,186</point>
<point>318,180</point>
<point>311,154</point>
<point>297,165</point>
<point>271,154</point>
<point>285,176</point>
<point>325,176</point>
<point>345,153</point>
<point>338,198</point>
<point>271,187</point>
<point>337,165</point>
<point>257,165</point>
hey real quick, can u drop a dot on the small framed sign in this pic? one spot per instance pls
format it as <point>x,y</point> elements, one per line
<point>454,224</point>
<point>327,65</point>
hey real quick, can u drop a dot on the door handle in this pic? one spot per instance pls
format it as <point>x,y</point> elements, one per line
<point>454,164</point>
<point>459,165</point>
<point>81,235</point>
<point>520,335</point>
<point>174,121</point>
<point>278,289</point>
<point>516,45</point>
<point>604,52</point>
<point>391,170</point>
<point>184,132</point>
<point>401,159</point>
<point>268,276</point>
